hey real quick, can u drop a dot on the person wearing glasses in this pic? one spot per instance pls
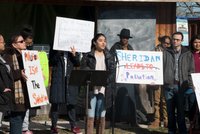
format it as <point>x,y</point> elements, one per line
<point>165,42</point>
<point>27,34</point>
<point>6,83</point>
<point>13,57</point>
<point>160,111</point>
<point>178,64</point>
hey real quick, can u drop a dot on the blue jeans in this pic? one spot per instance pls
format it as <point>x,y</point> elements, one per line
<point>175,101</point>
<point>16,120</point>
<point>97,106</point>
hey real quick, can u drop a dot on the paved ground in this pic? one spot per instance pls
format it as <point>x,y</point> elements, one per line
<point>43,127</point>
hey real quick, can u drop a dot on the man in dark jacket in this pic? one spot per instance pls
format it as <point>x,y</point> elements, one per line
<point>61,92</point>
<point>6,83</point>
<point>123,44</point>
<point>13,57</point>
<point>178,66</point>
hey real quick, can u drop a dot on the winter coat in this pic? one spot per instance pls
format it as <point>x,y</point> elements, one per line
<point>8,56</point>
<point>6,81</point>
<point>186,67</point>
<point>60,90</point>
<point>118,46</point>
<point>88,62</point>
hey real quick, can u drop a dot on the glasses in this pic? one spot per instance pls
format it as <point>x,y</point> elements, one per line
<point>176,39</point>
<point>21,41</point>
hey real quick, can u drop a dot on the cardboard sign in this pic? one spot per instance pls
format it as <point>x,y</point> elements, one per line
<point>139,67</point>
<point>196,83</point>
<point>73,32</point>
<point>35,83</point>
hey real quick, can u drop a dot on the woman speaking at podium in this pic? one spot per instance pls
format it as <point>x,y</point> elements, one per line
<point>98,58</point>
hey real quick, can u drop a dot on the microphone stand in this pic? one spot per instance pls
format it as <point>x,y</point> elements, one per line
<point>113,93</point>
<point>113,109</point>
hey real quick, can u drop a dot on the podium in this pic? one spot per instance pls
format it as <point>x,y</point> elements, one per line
<point>88,78</point>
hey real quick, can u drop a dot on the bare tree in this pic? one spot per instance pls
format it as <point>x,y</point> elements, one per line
<point>188,9</point>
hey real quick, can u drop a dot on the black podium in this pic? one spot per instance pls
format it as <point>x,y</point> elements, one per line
<point>88,78</point>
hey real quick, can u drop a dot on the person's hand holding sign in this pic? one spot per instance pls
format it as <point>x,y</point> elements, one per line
<point>24,75</point>
<point>73,50</point>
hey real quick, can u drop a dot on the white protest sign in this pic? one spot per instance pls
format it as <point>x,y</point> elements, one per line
<point>196,83</point>
<point>73,32</point>
<point>139,67</point>
<point>35,83</point>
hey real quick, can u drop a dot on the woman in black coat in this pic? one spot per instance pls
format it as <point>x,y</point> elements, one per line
<point>99,58</point>
<point>6,83</point>
<point>62,63</point>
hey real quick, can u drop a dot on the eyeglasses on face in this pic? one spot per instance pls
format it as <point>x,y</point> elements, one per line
<point>176,39</point>
<point>21,41</point>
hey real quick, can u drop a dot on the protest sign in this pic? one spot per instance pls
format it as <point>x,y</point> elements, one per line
<point>35,83</point>
<point>196,83</point>
<point>73,32</point>
<point>139,67</point>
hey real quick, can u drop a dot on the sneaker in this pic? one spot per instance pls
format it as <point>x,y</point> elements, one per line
<point>54,130</point>
<point>27,132</point>
<point>76,130</point>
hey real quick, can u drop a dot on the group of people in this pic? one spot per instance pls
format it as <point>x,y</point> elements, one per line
<point>14,96</point>
<point>62,63</point>
<point>176,96</point>
<point>178,62</point>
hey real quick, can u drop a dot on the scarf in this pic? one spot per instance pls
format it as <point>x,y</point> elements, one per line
<point>19,96</point>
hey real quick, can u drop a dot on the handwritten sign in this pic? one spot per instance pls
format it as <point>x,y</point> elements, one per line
<point>73,32</point>
<point>196,83</point>
<point>35,83</point>
<point>139,67</point>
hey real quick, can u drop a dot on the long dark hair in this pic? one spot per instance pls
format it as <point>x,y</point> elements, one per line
<point>94,40</point>
<point>192,40</point>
